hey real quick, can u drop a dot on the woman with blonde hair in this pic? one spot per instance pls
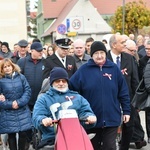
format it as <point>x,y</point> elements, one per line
<point>15,115</point>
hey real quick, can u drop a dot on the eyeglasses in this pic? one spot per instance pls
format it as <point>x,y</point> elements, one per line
<point>131,50</point>
<point>60,80</point>
<point>147,49</point>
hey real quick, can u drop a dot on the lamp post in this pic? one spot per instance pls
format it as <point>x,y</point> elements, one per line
<point>123,18</point>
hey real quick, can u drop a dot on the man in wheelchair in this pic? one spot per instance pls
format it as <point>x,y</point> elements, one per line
<point>59,93</point>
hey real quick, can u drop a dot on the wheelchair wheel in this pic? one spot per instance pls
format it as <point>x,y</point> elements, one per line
<point>36,138</point>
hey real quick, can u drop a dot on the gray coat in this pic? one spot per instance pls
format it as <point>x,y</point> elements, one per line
<point>147,76</point>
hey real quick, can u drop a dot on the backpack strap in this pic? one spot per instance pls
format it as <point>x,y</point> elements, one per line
<point>24,65</point>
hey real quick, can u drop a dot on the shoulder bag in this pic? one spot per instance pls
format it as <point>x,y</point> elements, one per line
<point>141,99</point>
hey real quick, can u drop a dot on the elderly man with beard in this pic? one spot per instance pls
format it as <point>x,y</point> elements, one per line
<point>58,93</point>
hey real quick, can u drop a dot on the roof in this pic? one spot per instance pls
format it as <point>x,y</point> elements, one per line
<point>60,8</point>
<point>61,17</point>
<point>33,15</point>
<point>52,9</point>
<point>109,7</point>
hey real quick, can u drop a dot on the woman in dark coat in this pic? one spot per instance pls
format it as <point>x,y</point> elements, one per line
<point>15,115</point>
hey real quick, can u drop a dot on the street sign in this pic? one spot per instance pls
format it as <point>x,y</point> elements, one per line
<point>61,29</point>
<point>68,25</point>
<point>76,24</point>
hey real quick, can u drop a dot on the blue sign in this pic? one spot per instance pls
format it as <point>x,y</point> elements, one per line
<point>68,25</point>
<point>61,29</point>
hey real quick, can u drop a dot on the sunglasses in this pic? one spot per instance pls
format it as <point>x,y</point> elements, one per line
<point>60,80</point>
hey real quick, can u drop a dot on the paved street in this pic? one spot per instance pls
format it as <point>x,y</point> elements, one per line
<point>132,146</point>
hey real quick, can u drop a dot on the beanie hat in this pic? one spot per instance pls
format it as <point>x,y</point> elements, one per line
<point>97,46</point>
<point>6,44</point>
<point>58,73</point>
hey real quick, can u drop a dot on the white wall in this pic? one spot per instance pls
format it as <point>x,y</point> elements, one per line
<point>92,20</point>
<point>13,24</point>
<point>92,24</point>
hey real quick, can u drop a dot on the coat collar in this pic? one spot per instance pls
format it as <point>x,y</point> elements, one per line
<point>124,58</point>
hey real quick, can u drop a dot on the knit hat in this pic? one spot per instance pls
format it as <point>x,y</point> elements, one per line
<point>58,73</point>
<point>97,46</point>
<point>6,44</point>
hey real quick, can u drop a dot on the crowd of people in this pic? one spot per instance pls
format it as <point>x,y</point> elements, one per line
<point>103,81</point>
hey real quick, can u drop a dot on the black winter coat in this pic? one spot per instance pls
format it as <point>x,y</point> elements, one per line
<point>33,73</point>
<point>53,61</point>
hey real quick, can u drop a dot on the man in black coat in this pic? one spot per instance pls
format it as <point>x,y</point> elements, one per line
<point>129,69</point>
<point>60,59</point>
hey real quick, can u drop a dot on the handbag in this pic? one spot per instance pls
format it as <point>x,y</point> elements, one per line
<point>141,99</point>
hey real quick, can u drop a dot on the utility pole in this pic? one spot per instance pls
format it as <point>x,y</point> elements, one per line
<point>123,18</point>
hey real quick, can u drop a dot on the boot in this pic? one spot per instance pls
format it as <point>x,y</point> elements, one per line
<point>12,143</point>
<point>22,143</point>
<point>0,141</point>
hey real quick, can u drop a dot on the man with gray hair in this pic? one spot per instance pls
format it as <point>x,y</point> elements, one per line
<point>132,37</point>
<point>131,49</point>
<point>129,70</point>
<point>141,47</point>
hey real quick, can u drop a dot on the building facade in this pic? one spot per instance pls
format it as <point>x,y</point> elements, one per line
<point>13,21</point>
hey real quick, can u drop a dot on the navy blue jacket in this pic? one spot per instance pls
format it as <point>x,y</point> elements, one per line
<point>106,90</point>
<point>34,75</point>
<point>15,120</point>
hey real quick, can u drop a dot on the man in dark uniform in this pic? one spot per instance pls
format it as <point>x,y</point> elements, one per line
<point>129,69</point>
<point>60,59</point>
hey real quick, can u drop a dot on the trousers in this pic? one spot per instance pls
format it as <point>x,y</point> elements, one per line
<point>12,141</point>
<point>105,138</point>
<point>147,119</point>
<point>131,131</point>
